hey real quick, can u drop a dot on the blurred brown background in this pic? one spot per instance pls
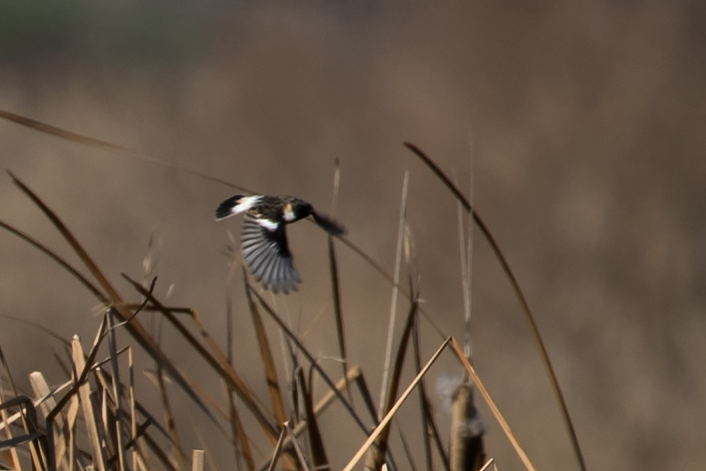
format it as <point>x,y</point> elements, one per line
<point>585,123</point>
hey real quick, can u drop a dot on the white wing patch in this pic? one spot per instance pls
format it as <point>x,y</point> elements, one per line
<point>267,224</point>
<point>246,202</point>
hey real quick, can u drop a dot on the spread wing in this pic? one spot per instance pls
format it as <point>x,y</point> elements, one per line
<point>266,253</point>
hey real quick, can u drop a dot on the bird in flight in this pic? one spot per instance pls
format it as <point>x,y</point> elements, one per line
<point>263,239</point>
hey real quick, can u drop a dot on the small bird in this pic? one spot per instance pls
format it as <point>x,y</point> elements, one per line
<point>264,239</point>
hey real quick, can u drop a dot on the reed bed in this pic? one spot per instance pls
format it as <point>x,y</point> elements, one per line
<point>96,420</point>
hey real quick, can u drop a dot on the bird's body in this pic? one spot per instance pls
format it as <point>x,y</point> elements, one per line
<point>264,238</point>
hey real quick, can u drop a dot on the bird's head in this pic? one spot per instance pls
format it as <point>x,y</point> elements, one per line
<point>296,209</point>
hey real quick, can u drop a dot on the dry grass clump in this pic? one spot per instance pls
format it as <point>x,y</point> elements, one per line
<point>95,420</point>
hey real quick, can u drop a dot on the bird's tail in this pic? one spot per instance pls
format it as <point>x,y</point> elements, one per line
<point>328,224</point>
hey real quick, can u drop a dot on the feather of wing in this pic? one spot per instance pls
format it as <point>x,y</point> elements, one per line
<point>266,253</point>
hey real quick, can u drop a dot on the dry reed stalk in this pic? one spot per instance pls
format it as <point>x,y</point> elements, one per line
<point>338,308</point>
<point>33,437</point>
<point>11,458</point>
<point>393,410</point>
<point>241,442</point>
<point>493,408</point>
<point>176,455</point>
<point>278,448</point>
<point>487,465</point>
<point>71,417</point>
<point>395,291</point>
<point>87,404</point>
<point>117,397</point>
<point>239,438</point>
<point>375,457</point>
<point>29,423</point>
<point>197,460</point>
<point>335,279</point>
<point>319,458</point>
<point>429,428</point>
<point>216,359</point>
<point>61,431</point>
<point>353,376</point>
<point>297,449</point>
<point>466,449</point>
<point>301,348</point>
<point>266,356</point>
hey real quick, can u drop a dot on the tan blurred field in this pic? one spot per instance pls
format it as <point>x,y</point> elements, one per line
<point>584,123</point>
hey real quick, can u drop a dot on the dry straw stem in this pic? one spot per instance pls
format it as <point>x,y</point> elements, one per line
<point>32,435</point>
<point>240,438</point>
<point>428,423</point>
<point>14,458</point>
<point>300,346</point>
<point>241,442</point>
<point>316,443</point>
<point>518,293</point>
<point>177,455</point>
<point>46,401</point>
<point>266,356</point>
<point>197,460</point>
<point>85,396</point>
<point>117,397</point>
<point>353,376</point>
<point>216,359</point>
<point>335,280</point>
<point>277,450</point>
<point>337,309</point>
<point>491,404</point>
<point>375,458</point>
<point>393,410</point>
<point>487,465</point>
<point>395,291</point>
<point>297,449</point>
